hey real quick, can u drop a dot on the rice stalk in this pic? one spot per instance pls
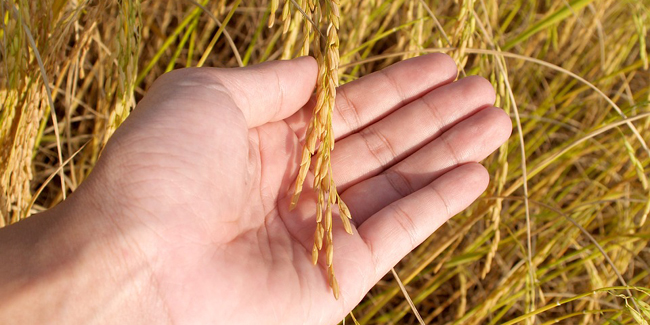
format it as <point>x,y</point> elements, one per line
<point>221,30</point>
<point>24,104</point>
<point>128,43</point>
<point>320,136</point>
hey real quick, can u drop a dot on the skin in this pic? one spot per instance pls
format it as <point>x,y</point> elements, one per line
<point>185,217</point>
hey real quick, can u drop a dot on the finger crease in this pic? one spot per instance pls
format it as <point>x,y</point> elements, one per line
<point>376,258</point>
<point>348,110</point>
<point>399,182</point>
<point>405,221</point>
<point>246,109</point>
<point>452,151</point>
<point>281,91</point>
<point>378,145</point>
<point>435,113</point>
<point>395,85</point>
<point>442,199</point>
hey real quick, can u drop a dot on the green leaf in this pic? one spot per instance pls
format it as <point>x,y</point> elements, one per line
<point>613,321</point>
<point>645,308</point>
<point>548,21</point>
<point>636,315</point>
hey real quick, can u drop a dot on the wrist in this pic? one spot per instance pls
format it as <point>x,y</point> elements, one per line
<point>72,265</point>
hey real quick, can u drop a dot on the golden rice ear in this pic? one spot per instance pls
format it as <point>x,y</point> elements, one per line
<point>326,51</point>
<point>271,21</point>
<point>324,173</point>
<point>346,224</point>
<point>330,275</point>
<point>294,201</point>
<point>335,288</point>
<point>344,208</point>
<point>286,17</point>
<point>330,254</point>
<point>320,232</point>
<point>273,7</point>
<point>285,25</point>
<point>305,46</point>
<point>328,218</point>
<point>326,183</point>
<point>305,161</point>
<point>286,13</point>
<point>310,142</point>
<point>314,255</point>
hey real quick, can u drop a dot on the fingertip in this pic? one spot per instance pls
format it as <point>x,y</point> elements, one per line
<point>309,63</point>
<point>467,181</point>
<point>482,88</point>
<point>273,90</point>
<point>297,82</point>
<point>493,126</point>
<point>399,227</point>
<point>441,65</point>
<point>303,69</point>
<point>502,124</point>
<point>477,177</point>
<point>445,64</point>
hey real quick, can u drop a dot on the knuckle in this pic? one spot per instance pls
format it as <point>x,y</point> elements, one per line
<point>406,223</point>
<point>399,182</point>
<point>378,145</point>
<point>347,110</point>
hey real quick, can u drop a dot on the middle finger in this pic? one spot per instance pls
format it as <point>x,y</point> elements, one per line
<point>370,151</point>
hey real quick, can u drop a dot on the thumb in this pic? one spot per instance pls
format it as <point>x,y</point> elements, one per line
<point>270,91</point>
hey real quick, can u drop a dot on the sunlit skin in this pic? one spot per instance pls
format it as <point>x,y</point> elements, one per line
<point>185,218</point>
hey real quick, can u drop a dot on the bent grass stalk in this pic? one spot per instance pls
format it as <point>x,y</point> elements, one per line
<point>580,296</point>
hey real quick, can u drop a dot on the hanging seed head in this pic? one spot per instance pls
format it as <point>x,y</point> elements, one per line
<point>328,218</point>
<point>335,287</point>
<point>320,231</point>
<point>330,254</point>
<point>314,255</point>
<point>319,215</point>
<point>319,139</point>
<point>273,7</point>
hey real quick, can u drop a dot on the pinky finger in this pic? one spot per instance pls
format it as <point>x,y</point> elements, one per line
<point>398,228</point>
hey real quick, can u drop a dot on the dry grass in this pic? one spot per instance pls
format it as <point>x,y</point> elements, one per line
<point>570,187</point>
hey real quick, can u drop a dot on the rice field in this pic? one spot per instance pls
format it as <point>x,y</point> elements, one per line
<point>560,236</point>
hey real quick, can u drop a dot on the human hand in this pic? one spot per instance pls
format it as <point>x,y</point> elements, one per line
<point>192,192</point>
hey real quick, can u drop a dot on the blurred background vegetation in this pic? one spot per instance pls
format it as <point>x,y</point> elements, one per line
<point>562,233</point>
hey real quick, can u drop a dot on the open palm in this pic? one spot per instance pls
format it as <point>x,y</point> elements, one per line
<point>197,182</point>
